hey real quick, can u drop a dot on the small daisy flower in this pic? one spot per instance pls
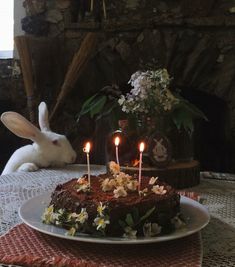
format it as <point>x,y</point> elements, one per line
<point>130,233</point>
<point>120,192</point>
<point>132,185</point>
<point>48,215</point>
<point>71,231</point>
<point>143,192</point>
<point>83,188</point>
<point>100,209</point>
<point>178,223</point>
<point>153,180</point>
<point>101,222</point>
<point>108,184</point>
<point>82,216</point>
<point>151,229</point>
<point>159,190</point>
<point>114,167</point>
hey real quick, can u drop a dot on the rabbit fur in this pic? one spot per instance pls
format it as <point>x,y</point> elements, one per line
<point>48,148</point>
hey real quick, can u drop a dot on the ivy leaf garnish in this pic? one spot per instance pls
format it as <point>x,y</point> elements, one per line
<point>147,214</point>
<point>122,224</point>
<point>129,220</point>
<point>135,214</point>
<point>133,219</point>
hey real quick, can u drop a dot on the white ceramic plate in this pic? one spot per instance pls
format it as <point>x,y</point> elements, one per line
<point>196,215</point>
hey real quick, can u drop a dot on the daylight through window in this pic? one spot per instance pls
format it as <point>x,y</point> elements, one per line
<point>6,28</point>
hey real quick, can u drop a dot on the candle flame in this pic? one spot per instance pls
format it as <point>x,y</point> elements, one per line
<point>87,148</point>
<point>117,141</point>
<point>142,146</point>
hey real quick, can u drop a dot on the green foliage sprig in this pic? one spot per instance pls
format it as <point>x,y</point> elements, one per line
<point>150,97</point>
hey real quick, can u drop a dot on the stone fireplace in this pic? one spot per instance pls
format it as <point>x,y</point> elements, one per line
<point>194,40</point>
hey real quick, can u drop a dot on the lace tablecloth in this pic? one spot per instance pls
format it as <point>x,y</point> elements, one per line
<point>216,193</point>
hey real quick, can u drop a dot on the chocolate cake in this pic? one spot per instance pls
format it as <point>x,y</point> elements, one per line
<point>113,205</point>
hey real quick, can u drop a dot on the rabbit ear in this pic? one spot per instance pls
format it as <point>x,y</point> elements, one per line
<point>43,117</point>
<point>20,126</point>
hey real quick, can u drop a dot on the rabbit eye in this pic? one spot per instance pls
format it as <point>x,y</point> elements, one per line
<point>56,142</point>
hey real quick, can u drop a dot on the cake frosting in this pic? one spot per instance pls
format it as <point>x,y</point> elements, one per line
<point>112,205</point>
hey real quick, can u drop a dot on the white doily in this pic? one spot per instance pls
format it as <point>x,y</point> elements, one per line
<point>19,187</point>
<point>219,196</point>
<point>219,235</point>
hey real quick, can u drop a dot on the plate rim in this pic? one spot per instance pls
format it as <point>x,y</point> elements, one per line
<point>113,240</point>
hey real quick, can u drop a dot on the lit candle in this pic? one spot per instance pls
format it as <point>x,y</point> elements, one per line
<point>92,5</point>
<point>104,9</point>
<point>86,149</point>
<point>116,142</point>
<point>141,148</point>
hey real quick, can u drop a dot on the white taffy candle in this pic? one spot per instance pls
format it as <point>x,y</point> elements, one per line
<point>86,149</point>
<point>117,142</point>
<point>104,9</point>
<point>141,149</point>
<point>92,5</point>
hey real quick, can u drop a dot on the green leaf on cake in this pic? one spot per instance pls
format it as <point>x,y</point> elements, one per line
<point>135,215</point>
<point>133,219</point>
<point>147,214</point>
<point>122,224</point>
<point>129,220</point>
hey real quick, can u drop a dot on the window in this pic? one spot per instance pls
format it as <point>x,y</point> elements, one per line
<point>6,28</point>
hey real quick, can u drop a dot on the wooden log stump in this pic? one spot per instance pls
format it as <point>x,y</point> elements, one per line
<point>177,174</point>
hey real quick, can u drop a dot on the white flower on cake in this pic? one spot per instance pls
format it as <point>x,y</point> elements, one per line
<point>143,192</point>
<point>159,190</point>
<point>132,185</point>
<point>108,185</point>
<point>119,192</point>
<point>73,215</point>
<point>151,229</point>
<point>56,216</point>
<point>101,208</point>
<point>82,180</point>
<point>101,222</point>
<point>61,211</point>
<point>153,180</point>
<point>83,188</point>
<point>81,217</point>
<point>71,231</point>
<point>82,185</point>
<point>129,232</point>
<point>120,184</point>
<point>122,178</point>
<point>48,215</point>
<point>114,167</point>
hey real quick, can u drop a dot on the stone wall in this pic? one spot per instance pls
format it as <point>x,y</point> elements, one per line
<point>194,40</point>
<point>12,97</point>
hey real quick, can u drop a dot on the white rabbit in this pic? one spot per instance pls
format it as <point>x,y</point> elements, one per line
<point>48,149</point>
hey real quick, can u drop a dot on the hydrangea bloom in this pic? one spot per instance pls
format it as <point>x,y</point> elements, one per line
<point>150,93</point>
